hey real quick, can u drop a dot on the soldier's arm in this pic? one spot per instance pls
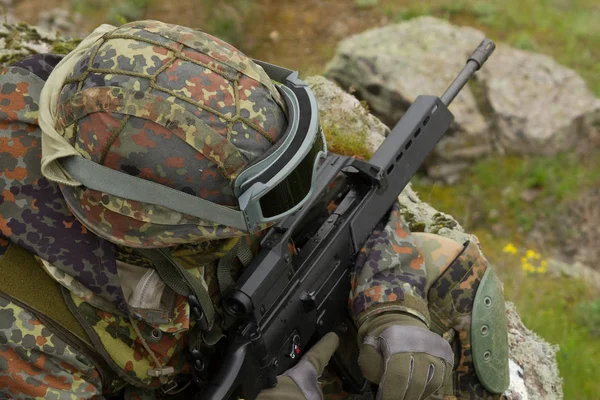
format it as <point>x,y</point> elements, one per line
<point>406,281</point>
<point>391,273</point>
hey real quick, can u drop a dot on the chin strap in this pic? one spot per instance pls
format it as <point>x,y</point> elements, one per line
<point>242,252</point>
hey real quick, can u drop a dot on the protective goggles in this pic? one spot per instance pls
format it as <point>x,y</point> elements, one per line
<point>273,186</point>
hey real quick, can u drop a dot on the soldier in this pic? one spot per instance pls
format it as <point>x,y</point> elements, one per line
<point>86,307</point>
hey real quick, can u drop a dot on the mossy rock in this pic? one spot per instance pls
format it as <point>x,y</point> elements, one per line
<point>18,41</point>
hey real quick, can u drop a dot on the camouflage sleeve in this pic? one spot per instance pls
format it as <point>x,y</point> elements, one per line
<point>395,270</point>
<point>35,363</point>
<point>389,274</point>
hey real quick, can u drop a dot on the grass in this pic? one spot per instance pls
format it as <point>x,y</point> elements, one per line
<point>568,30</point>
<point>365,3</point>
<point>225,19</point>
<point>588,313</point>
<point>553,307</point>
<point>498,187</point>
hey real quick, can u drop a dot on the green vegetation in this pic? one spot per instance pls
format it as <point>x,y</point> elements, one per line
<point>108,11</point>
<point>365,3</point>
<point>64,46</point>
<point>341,143</point>
<point>408,13</point>
<point>126,11</point>
<point>588,313</point>
<point>515,191</point>
<point>225,19</point>
<point>568,30</point>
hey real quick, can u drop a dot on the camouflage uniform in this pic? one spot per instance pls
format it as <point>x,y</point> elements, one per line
<point>84,239</point>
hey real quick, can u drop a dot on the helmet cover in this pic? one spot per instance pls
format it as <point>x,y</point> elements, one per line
<point>172,105</point>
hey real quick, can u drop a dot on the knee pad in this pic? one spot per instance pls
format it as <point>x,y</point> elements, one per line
<point>468,299</point>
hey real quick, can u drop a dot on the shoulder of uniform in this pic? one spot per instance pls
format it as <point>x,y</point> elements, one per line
<point>40,65</point>
<point>21,85</point>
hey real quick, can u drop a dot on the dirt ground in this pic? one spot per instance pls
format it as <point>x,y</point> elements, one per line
<point>298,34</point>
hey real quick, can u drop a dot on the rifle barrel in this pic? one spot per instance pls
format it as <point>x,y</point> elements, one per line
<point>476,61</point>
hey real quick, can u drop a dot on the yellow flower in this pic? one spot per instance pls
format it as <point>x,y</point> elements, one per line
<point>533,255</point>
<point>510,248</point>
<point>527,267</point>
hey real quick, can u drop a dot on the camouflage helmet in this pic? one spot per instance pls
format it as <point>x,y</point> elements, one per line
<point>171,105</point>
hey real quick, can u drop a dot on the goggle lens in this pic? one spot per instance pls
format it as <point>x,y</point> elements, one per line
<point>295,188</point>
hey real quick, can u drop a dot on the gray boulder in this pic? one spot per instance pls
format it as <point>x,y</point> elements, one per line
<point>520,102</point>
<point>538,106</point>
<point>390,66</point>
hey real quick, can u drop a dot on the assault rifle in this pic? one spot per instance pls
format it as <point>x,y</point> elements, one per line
<point>296,289</point>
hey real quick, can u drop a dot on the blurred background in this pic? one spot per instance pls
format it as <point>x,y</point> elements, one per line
<point>538,217</point>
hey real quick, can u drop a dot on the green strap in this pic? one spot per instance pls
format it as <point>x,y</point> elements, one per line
<point>242,252</point>
<point>181,281</point>
<point>24,281</point>
<point>116,183</point>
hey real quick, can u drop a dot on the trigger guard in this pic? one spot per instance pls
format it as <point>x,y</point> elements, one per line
<point>489,334</point>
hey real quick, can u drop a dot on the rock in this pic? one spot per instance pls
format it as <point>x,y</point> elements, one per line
<point>343,114</point>
<point>576,229</point>
<point>538,105</point>
<point>59,20</point>
<point>20,40</point>
<point>534,372</point>
<point>575,270</point>
<point>519,103</point>
<point>390,66</point>
<point>535,359</point>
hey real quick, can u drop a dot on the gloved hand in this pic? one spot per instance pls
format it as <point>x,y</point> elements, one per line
<point>404,357</point>
<point>300,382</point>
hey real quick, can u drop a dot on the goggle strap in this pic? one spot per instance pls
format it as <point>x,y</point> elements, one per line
<point>280,74</point>
<point>103,179</point>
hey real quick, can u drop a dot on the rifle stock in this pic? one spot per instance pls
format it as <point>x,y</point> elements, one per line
<point>296,289</point>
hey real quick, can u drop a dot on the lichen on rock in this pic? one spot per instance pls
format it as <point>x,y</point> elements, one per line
<point>346,118</point>
<point>21,40</point>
